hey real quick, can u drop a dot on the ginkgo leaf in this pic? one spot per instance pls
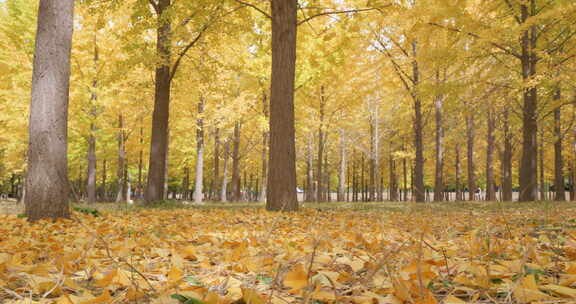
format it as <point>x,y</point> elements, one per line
<point>296,278</point>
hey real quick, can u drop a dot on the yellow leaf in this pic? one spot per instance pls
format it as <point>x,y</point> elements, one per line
<point>561,290</point>
<point>296,278</point>
<point>453,300</point>
<point>251,297</point>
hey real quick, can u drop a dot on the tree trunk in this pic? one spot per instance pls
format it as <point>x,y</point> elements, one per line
<point>264,158</point>
<point>47,185</point>
<point>470,134</point>
<point>342,167</point>
<point>91,174</point>
<point>459,196</point>
<point>282,175</point>
<point>223,193</point>
<point>216,177</point>
<point>393,183</point>
<point>199,180</point>
<point>120,177</point>
<point>320,175</point>
<point>104,175</point>
<point>558,161</point>
<point>490,184</point>
<point>438,174</point>
<point>159,141</point>
<point>140,162</point>
<point>236,164</point>
<point>541,167</point>
<point>528,58</point>
<point>418,180</point>
<point>309,171</point>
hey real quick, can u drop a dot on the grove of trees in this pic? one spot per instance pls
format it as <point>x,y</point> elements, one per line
<point>253,100</point>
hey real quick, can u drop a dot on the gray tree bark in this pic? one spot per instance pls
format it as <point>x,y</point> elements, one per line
<point>47,185</point>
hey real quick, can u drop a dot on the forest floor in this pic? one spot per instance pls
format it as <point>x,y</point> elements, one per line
<point>465,252</point>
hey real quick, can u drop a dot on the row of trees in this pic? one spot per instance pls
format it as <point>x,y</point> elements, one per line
<point>390,96</point>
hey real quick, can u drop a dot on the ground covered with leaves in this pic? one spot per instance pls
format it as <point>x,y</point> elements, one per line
<point>332,253</point>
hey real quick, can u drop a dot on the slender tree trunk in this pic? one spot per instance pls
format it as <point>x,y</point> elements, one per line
<point>470,134</point>
<point>155,188</point>
<point>558,161</point>
<point>393,180</point>
<point>282,175</point>
<point>342,167</point>
<point>121,194</point>
<point>223,193</point>
<point>186,184</point>
<point>199,180</point>
<point>418,177</point>
<point>216,177</point>
<point>459,196</point>
<point>541,167</point>
<point>104,175</point>
<point>309,171</point>
<point>236,164</point>
<point>490,183</point>
<point>439,172</point>
<point>320,175</point>
<point>47,185</point>
<point>264,158</point>
<point>507,159</point>
<point>140,162</point>
<point>91,174</point>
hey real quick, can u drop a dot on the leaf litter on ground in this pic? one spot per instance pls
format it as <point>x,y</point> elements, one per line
<point>405,255</point>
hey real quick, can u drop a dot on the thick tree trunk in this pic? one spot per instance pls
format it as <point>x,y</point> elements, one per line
<point>528,167</point>
<point>439,172</point>
<point>236,164</point>
<point>199,178</point>
<point>282,175</point>
<point>223,189</point>
<point>159,141</point>
<point>47,185</point>
<point>470,135</point>
<point>342,167</point>
<point>490,183</point>
<point>558,161</point>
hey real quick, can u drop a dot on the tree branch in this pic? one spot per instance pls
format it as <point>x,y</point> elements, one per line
<point>513,13</point>
<point>334,13</point>
<point>494,44</point>
<point>255,7</point>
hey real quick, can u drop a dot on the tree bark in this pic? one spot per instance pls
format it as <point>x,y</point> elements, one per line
<point>216,177</point>
<point>470,134</point>
<point>528,167</point>
<point>264,158</point>
<point>342,167</point>
<point>319,166</point>
<point>439,172</point>
<point>121,169</point>
<point>541,167</point>
<point>282,175</point>
<point>91,174</point>
<point>309,171</point>
<point>140,162</point>
<point>418,180</point>
<point>199,178</point>
<point>490,139</point>
<point>236,164</point>
<point>223,189</point>
<point>558,161</point>
<point>393,183</point>
<point>459,196</point>
<point>47,185</point>
<point>159,141</point>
